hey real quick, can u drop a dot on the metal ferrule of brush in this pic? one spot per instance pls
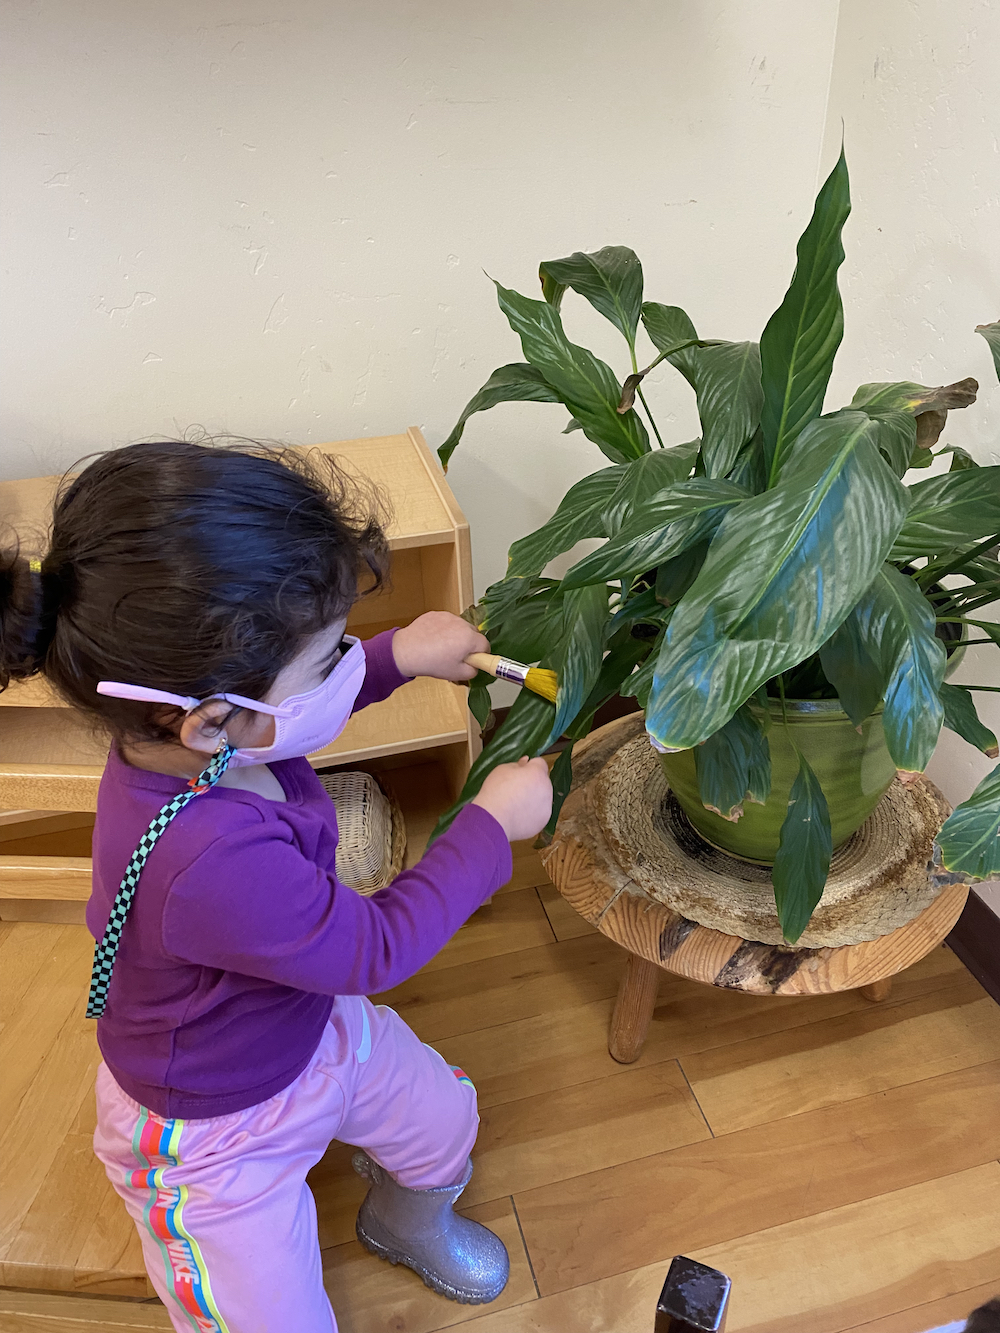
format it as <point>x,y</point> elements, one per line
<point>508,670</point>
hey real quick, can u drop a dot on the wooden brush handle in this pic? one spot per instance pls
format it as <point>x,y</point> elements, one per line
<point>500,668</point>
<point>487,662</point>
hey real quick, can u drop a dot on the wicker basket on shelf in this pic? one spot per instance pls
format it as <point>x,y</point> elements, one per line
<point>372,831</point>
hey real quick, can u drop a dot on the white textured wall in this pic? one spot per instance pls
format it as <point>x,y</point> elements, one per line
<point>272,217</point>
<point>915,90</point>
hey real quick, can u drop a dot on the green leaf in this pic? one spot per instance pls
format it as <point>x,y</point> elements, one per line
<point>897,438</point>
<point>960,716</point>
<point>644,606</point>
<point>750,469</point>
<point>580,514</point>
<point>783,571</point>
<point>803,860</point>
<point>515,383</point>
<point>585,384</point>
<point>848,666</point>
<point>970,838</point>
<point>676,575</point>
<point>480,703</point>
<point>727,380</point>
<point>669,328</point>
<point>991,332</point>
<point>561,776</point>
<point>524,732</point>
<point>552,291</point>
<point>894,403</point>
<point>639,684</point>
<point>667,524</point>
<point>800,341</point>
<point>896,624</point>
<point>643,478</point>
<point>578,655</point>
<point>571,426</point>
<point>734,764</point>
<point>610,279</point>
<point>950,510</point>
<point>914,399</point>
<point>618,665</point>
<point>961,459</point>
<point>522,617</point>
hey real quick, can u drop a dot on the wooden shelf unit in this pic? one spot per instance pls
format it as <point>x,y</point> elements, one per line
<point>52,761</point>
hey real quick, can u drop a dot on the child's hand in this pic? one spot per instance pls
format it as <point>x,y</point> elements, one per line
<point>437,644</point>
<point>518,796</point>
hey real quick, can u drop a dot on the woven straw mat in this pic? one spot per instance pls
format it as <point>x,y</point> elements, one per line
<point>878,879</point>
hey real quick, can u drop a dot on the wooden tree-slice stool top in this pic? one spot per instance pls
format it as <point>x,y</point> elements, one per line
<point>587,873</point>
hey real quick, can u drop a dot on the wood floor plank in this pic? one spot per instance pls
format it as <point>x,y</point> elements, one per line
<point>50,1059</point>
<point>509,923</point>
<point>47,1000</point>
<point>566,922</point>
<point>809,1276</point>
<point>955,1308</point>
<point>56,1246</point>
<point>34,1312</point>
<point>25,948</point>
<point>674,1202</point>
<point>555,1135</point>
<point>110,1261</point>
<point>497,990</point>
<point>833,1270</point>
<point>529,872</point>
<point>369,1295</point>
<point>862,1052</point>
<point>559,1047</point>
<point>625,1303</point>
<point>338,1191</point>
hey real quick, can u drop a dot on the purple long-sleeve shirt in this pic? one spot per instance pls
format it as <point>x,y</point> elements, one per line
<point>240,934</point>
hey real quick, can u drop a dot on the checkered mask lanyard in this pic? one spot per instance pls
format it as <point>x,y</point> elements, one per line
<point>104,954</point>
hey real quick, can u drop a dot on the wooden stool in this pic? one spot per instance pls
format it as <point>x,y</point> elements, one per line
<point>584,869</point>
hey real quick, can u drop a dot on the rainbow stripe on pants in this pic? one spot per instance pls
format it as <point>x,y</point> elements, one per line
<point>156,1145</point>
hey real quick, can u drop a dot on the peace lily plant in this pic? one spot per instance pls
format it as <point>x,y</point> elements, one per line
<point>779,557</point>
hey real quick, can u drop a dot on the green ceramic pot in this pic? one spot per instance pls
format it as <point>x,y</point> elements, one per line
<point>854,771</point>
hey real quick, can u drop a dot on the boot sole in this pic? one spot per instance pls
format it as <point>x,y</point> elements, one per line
<point>430,1279</point>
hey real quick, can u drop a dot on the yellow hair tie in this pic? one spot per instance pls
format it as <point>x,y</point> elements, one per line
<point>35,566</point>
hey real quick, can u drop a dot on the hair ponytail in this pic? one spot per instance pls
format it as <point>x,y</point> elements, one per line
<point>27,616</point>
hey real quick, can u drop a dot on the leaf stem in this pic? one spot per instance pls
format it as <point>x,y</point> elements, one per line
<point>781,695</point>
<point>992,689</point>
<point>936,572</point>
<point>656,432</point>
<point>963,620</point>
<point>638,389</point>
<point>987,600</point>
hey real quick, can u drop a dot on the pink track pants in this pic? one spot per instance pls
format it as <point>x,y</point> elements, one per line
<point>226,1219</point>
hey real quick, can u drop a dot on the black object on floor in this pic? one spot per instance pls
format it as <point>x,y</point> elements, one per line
<point>694,1299</point>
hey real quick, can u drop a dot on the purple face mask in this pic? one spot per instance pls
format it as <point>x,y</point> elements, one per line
<point>303,723</point>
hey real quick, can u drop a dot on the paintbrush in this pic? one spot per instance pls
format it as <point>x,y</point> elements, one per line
<point>536,679</point>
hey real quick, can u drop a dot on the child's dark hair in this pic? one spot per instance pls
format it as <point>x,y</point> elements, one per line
<point>192,568</point>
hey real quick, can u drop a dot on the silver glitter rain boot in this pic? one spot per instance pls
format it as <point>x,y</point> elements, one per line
<point>457,1257</point>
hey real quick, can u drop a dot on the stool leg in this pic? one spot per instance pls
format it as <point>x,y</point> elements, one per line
<point>877,991</point>
<point>633,1009</point>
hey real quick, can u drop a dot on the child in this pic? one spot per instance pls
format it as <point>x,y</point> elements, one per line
<point>193,603</point>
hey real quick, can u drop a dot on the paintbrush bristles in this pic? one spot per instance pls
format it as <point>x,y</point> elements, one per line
<point>542,682</point>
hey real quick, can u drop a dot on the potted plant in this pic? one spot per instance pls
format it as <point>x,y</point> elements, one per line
<point>778,596</point>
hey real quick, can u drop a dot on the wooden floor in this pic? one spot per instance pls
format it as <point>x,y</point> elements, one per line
<point>838,1160</point>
